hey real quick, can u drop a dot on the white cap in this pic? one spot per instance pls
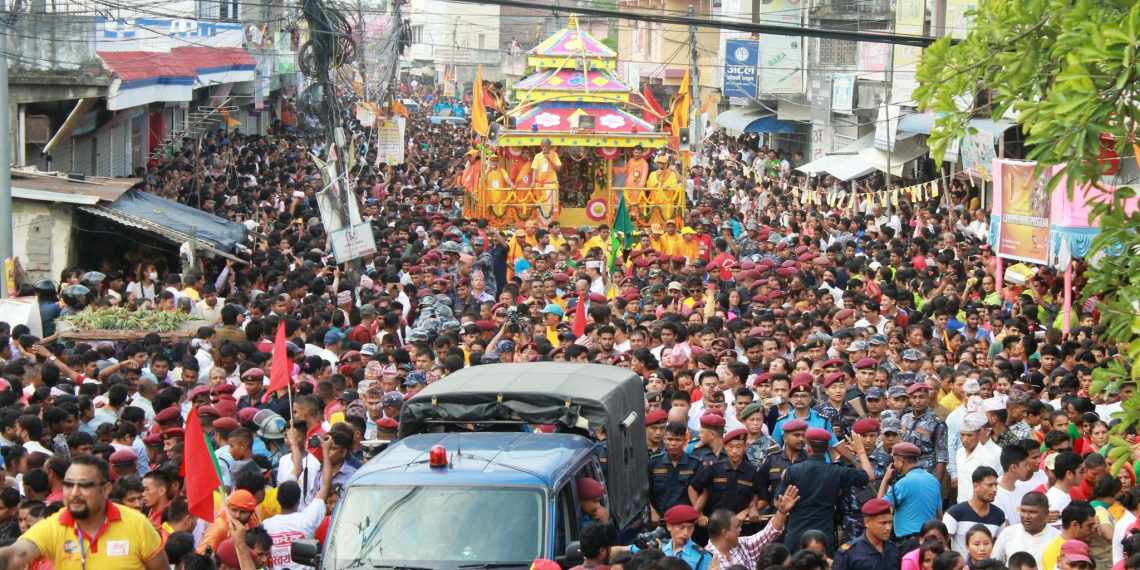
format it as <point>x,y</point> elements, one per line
<point>972,386</point>
<point>973,422</point>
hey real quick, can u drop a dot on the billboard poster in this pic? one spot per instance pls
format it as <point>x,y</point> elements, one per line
<point>781,57</point>
<point>910,19</point>
<point>843,93</point>
<point>1025,204</point>
<point>740,60</point>
<point>958,22</point>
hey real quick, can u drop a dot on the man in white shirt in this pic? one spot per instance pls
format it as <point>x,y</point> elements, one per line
<point>1031,535</point>
<point>977,451</point>
<point>293,524</point>
<point>1015,461</point>
<point>1067,471</point>
<point>301,467</point>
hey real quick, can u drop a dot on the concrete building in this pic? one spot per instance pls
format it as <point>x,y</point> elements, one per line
<point>453,39</point>
<point>101,93</point>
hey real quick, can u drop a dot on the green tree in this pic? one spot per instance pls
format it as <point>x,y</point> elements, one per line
<point>1069,70</point>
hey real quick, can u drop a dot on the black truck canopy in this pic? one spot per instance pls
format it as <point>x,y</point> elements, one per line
<point>576,398</point>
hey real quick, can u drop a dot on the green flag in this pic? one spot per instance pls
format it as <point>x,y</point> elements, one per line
<point>622,234</point>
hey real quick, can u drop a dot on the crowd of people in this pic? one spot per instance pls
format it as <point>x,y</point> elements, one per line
<point>823,388</point>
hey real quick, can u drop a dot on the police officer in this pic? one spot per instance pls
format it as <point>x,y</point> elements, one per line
<point>655,430</point>
<point>680,521</point>
<point>915,494</point>
<point>771,470</point>
<point>708,447</point>
<point>590,495</point>
<point>759,445</point>
<point>727,484</point>
<point>866,429</point>
<point>925,430</point>
<point>874,550</point>
<point>821,485</point>
<point>670,472</point>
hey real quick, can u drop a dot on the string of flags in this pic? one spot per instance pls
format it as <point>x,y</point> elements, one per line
<point>846,200</point>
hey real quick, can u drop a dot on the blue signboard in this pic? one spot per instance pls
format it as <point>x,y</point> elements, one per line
<point>740,59</point>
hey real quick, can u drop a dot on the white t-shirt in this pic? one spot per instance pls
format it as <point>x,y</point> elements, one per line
<point>1058,500</point>
<point>1014,539</point>
<point>294,526</point>
<point>986,454</point>
<point>1010,502</point>
<point>309,479</point>
<point>1118,533</point>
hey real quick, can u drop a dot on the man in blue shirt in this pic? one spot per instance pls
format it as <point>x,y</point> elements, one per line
<point>681,521</point>
<point>800,395</point>
<point>916,496</point>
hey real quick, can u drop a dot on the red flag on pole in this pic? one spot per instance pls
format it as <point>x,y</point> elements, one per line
<point>281,369</point>
<point>653,104</point>
<point>198,459</point>
<point>579,324</point>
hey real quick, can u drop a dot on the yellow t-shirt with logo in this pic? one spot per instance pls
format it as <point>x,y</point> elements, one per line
<point>127,541</point>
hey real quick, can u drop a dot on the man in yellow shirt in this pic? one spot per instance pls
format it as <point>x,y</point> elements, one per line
<point>664,186</point>
<point>671,243</point>
<point>500,187</point>
<point>90,532</point>
<point>544,172</point>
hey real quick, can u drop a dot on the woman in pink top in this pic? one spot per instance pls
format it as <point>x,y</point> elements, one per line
<point>934,539</point>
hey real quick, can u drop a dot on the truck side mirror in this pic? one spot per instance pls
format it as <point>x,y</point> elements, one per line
<point>306,552</point>
<point>573,556</point>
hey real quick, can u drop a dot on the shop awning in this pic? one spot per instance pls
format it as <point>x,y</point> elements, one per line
<point>923,123</point>
<point>893,161</point>
<point>753,120</point>
<point>176,222</point>
<point>144,77</point>
<point>845,163</point>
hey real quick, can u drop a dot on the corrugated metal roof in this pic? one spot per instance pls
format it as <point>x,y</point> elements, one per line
<point>145,225</point>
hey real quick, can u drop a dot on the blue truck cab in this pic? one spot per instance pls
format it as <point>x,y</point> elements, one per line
<point>473,482</point>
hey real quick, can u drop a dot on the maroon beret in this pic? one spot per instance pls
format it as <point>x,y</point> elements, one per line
<point>124,456</point>
<point>387,424</point>
<point>198,391</point>
<point>917,387</point>
<point>590,490</point>
<point>739,433</point>
<point>906,449</point>
<point>831,378</point>
<point>246,414</point>
<point>712,421</point>
<point>169,415</point>
<point>817,434</point>
<point>865,426</point>
<point>656,417</point>
<point>794,425</point>
<point>875,507</point>
<point>866,362</point>
<point>226,425</point>
<point>681,514</point>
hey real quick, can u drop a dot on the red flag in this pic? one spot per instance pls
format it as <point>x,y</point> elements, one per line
<point>198,459</point>
<point>281,369</point>
<point>579,325</point>
<point>653,104</point>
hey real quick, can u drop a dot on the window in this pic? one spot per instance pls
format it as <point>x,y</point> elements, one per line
<point>837,53</point>
<point>417,34</point>
<point>229,10</point>
<point>566,523</point>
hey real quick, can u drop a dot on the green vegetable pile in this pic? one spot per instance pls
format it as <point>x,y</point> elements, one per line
<point>121,319</point>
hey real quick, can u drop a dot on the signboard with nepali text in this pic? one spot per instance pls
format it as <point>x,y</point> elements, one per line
<point>740,60</point>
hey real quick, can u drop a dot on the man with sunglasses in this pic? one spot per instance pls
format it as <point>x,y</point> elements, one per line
<point>91,532</point>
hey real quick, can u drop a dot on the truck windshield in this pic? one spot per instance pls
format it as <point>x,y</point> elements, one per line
<point>449,526</point>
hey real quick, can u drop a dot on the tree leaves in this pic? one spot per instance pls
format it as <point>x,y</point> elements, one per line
<point>1068,69</point>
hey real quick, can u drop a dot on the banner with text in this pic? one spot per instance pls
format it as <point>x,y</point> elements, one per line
<point>781,57</point>
<point>740,61</point>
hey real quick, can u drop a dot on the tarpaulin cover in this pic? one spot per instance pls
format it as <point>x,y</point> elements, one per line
<point>218,232</point>
<point>567,395</point>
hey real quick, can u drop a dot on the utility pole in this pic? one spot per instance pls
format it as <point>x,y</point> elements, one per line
<point>398,22</point>
<point>361,48</point>
<point>5,160</point>
<point>694,90</point>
